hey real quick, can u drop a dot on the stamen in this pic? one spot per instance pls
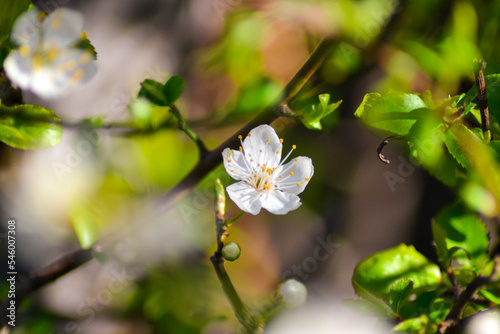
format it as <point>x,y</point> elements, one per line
<point>294,147</point>
<point>298,184</point>
<point>307,179</point>
<point>277,152</point>
<point>268,140</point>
<point>239,137</point>
<point>281,140</point>
<point>291,173</point>
<point>232,170</point>
<point>229,160</point>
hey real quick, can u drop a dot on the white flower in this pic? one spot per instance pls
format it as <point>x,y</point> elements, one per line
<point>47,61</point>
<point>265,181</point>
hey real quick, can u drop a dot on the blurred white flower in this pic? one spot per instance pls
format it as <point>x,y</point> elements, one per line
<point>265,181</point>
<point>324,317</point>
<point>47,61</point>
<point>485,323</point>
<point>293,292</point>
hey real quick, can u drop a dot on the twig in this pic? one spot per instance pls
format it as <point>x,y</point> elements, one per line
<point>450,324</point>
<point>183,126</point>
<point>481,97</point>
<point>38,278</point>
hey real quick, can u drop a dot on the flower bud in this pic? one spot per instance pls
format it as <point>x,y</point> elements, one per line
<point>293,292</point>
<point>231,251</point>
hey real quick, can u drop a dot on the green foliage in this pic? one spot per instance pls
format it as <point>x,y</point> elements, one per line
<point>9,11</point>
<point>394,112</point>
<point>312,117</point>
<point>460,235</point>
<point>377,273</point>
<point>163,95</point>
<point>29,127</point>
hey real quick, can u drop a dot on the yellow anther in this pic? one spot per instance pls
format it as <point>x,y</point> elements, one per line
<point>291,173</point>
<point>76,77</point>
<point>268,140</point>
<point>307,179</point>
<point>249,135</point>
<point>294,147</point>
<point>85,58</point>
<point>277,152</point>
<point>37,62</point>
<point>71,65</point>
<point>232,170</point>
<point>52,54</point>
<point>56,23</point>
<point>24,50</point>
<point>281,176</point>
<point>298,184</point>
<point>239,137</point>
<point>241,148</point>
<point>261,151</point>
<point>296,159</point>
<point>229,160</point>
<point>281,140</point>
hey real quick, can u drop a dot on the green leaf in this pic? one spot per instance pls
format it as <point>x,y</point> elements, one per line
<point>153,91</point>
<point>490,81</point>
<point>379,271</point>
<point>400,291</point>
<point>374,304</point>
<point>29,127</point>
<point>439,309</point>
<point>9,11</point>
<point>312,117</point>
<point>395,112</point>
<point>173,89</point>
<point>413,325</point>
<point>455,227</point>
<point>87,225</point>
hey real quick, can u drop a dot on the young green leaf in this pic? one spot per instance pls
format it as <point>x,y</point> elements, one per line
<point>312,117</point>
<point>395,112</point>
<point>29,127</point>
<point>173,89</point>
<point>413,325</point>
<point>400,291</point>
<point>379,271</point>
<point>153,91</point>
<point>455,228</point>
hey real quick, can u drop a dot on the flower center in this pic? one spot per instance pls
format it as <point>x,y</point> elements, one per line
<point>261,179</point>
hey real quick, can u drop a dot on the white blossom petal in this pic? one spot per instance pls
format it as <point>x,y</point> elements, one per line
<point>279,202</point>
<point>18,69</point>
<point>62,28</point>
<point>294,176</point>
<point>263,146</point>
<point>235,164</point>
<point>26,30</point>
<point>48,84</point>
<point>245,197</point>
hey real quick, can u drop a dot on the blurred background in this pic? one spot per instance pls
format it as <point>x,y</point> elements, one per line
<point>98,186</point>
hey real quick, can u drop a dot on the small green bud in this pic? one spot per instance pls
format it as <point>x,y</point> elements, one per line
<point>231,251</point>
<point>293,292</point>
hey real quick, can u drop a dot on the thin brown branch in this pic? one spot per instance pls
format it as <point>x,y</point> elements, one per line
<point>38,278</point>
<point>452,321</point>
<point>481,97</point>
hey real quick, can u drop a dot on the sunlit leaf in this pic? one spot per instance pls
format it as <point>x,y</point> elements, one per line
<point>29,127</point>
<point>173,89</point>
<point>400,291</point>
<point>379,271</point>
<point>395,112</point>
<point>311,117</point>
